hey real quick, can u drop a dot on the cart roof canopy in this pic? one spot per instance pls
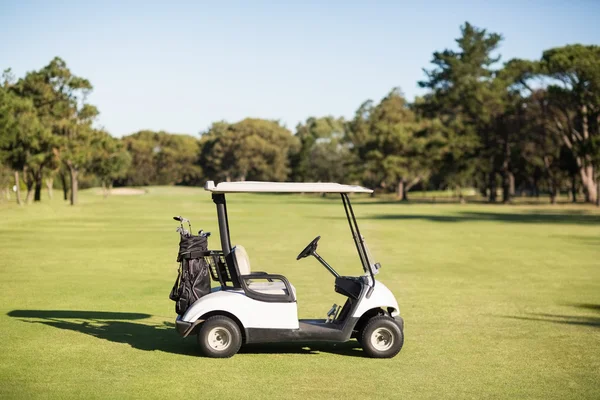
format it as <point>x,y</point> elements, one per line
<point>282,187</point>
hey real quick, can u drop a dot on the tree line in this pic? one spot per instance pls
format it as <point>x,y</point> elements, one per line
<point>522,126</point>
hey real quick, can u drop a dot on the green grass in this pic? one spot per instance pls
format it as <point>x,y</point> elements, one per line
<point>499,301</point>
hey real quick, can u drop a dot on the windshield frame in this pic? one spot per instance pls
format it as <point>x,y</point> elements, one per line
<point>359,240</point>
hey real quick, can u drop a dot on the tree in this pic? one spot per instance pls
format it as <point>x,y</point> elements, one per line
<point>574,95</point>
<point>160,158</point>
<point>59,100</point>
<point>252,149</point>
<point>464,99</point>
<point>110,159</point>
<point>543,148</point>
<point>24,141</point>
<point>324,152</point>
<point>5,181</point>
<point>566,84</point>
<point>539,147</point>
<point>390,142</point>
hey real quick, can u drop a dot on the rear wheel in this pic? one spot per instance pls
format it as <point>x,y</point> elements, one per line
<point>381,337</point>
<point>219,337</point>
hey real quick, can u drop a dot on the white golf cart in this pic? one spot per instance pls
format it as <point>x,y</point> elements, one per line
<point>258,307</point>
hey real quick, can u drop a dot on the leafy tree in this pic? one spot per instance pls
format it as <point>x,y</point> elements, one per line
<point>541,150</point>
<point>570,105</point>
<point>574,96</point>
<point>252,149</point>
<point>324,152</point>
<point>59,100</point>
<point>24,142</point>
<point>110,159</point>
<point>465,100</point>
<point>390,142</point>
<point>160,158</point>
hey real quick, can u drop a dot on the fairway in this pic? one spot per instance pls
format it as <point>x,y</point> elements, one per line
<point>498,301</point>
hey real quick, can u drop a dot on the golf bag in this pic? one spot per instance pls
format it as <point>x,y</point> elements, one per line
<point>193,280</point>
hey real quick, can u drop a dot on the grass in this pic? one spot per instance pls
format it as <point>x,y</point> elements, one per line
<point>499,301</point>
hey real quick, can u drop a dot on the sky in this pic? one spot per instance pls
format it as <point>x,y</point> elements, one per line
<point>179,66</point>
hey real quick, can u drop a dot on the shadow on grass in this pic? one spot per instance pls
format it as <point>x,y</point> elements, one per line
<point>589,240</point>
<point>587,306</point>
<point>351,348</point>
<point>69,314</point>
<point>117,327</point>
<point>112,326</point>
<point>593,322</point>
<point>468,201</point>
<point>563,217</point>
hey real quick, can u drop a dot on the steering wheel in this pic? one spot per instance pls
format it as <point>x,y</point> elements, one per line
<point>308,250</point>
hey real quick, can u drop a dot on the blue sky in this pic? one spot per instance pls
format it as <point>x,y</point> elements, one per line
<point>182,65</point>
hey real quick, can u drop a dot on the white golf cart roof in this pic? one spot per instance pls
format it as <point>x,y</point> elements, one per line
<point>282,187</point>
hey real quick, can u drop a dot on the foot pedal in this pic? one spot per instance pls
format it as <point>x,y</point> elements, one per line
<point>332,313</point>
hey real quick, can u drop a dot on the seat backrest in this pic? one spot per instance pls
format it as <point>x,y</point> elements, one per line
<point>241,259</point>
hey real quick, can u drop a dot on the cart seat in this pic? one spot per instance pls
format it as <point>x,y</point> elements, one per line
<point>243,264</point>
<point>276,287</point>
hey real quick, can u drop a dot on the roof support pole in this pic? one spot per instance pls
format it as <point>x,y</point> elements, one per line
<point>358,239</point>
<point>219,200</point>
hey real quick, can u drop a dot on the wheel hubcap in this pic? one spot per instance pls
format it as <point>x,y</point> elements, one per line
<point>382,339</point>
<point>219,339</point>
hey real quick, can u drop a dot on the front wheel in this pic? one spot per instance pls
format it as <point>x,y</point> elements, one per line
<point>219,337</point>
<point>381,337</point>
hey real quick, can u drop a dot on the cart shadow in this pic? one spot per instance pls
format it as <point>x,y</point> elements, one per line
<point>117,327</point>
<point>351,348</point>
<point>113,326</point>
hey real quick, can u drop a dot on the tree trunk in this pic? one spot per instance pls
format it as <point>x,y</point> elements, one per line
<point>29,196</point>
<point>74,173</point>
<point>505,187</point>
<point>483,189</point>
<point>573,188</point>
<point>400,190</point>
<point>587,179</point>
<point>50,186</point>
<point>492,186</point>
<point>29,184</point>
<point>18,192</point>
<point>104,191</point>
<point>461,199</point>
<point>38,189</point>
<point>554,190</point>
<point>506,173</point>
<point>511,184</point>
<point>65,188</point>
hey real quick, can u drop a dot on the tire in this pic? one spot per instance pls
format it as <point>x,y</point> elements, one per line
<point>381,337</point>
<point>219,337</point>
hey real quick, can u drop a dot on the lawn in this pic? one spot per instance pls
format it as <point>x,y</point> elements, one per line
<point>498,301</point>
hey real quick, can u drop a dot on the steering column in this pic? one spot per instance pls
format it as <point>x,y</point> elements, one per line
<point>311,250</point>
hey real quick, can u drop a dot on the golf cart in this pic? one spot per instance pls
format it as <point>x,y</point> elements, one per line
<point>259,307</point>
